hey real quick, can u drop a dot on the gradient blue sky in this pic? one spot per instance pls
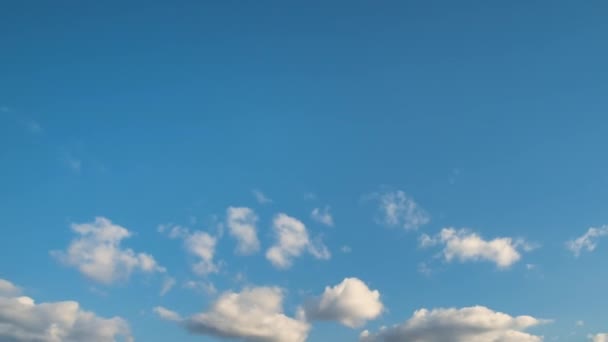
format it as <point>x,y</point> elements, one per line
<point>491,116</point>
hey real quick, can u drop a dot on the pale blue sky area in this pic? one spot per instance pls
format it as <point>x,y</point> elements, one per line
<point>446,154</point>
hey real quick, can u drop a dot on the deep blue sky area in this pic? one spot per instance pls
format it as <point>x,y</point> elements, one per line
<point>353,137</point>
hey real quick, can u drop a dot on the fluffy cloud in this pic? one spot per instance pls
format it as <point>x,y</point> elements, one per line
<point>7,289</point>
<point>351,303</point>
<point>464,245</point>
<point>322,216</point>
<point>587,241</point>
<point>291,241</point>
<point>97,253</point>
<point>197,243</point>
<point>599,337</point>
<point>241,224</point>
<point>471,324</point>
<point>396,209</point>
<point>253,315</point>
<point>22,320</point>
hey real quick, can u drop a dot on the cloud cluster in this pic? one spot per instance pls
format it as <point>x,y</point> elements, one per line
<point>198,243</point>
<point>23,320</point>
<point>599,337</point>
<point>291,241</point>
<point>587,241</point>
<point>397,209</point>
<point>97,253</point>
<point>253,315</point>
<point>470,324</point>
<point>351,303</point>
<point>241,223</point>
<point>464,245</point>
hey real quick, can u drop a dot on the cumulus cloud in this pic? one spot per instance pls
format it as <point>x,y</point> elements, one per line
<point>397,209</point>
<point>599,337</point>
<point>471,324</point>
<point>241,223</point>
<point>464,245</point>
<point>198,243</point>
<point>291,241</point>
<point>23,320</point>
<point>587,241</point>
<point>253,315</point>
<point>261,197</point>
<point>323,216</point>
<point>7,289</point>
<point>166,314</point>
<point>351,303</point>
<point>97,253</point>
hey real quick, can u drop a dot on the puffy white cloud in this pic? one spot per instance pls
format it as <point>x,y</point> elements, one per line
<point>291,241</point>
<point>465,245</point>
<point>587,241</point>
<point>97,253</point>
<point>7,289</point>
<point>197,243</point>
<point>241,223</point>
<point>167,314</point>
<point>23,320</point>
<point>261,197</point>
<point>471,324</point>
<point>397,209</point>
<point>599,337</point>
<point>253,315</point>
<point>168,284</point>
<point>323,216</point>
<point>351,303</point>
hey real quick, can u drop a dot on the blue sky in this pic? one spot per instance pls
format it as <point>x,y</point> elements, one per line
<point>329,167</point>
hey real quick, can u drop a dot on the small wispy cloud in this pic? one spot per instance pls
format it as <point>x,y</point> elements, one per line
<point>323,216</point>
<point>397,209</point>
<point>587,241</point>
<point>168,284</point>
<point>346,249</point>
<point>261,197</point>
<point>72,163</point>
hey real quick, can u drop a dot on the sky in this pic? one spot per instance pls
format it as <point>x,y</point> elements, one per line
<point>282,171</point>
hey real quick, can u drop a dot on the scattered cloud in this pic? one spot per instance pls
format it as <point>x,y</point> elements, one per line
<point>168,284</point>
<point>323,216</point>
<point>201,286</point>
<point>241,223</point>
<point>166,314</point>
<point>464,245</point>
<point>580,323</point>
<point>397,209</point>
<point>599,337</point>
<point>350,303</point>
<point>291,241</point>
<point>253,315</point>
<point>23,320</point>
<point>346,249</point>
<point>587,241</point>
<point>97,253</point>
<point>198,243</point>
<point>310,196</point>
<point>261,197</point>
<point>73,163</point>
<point>471,324</point>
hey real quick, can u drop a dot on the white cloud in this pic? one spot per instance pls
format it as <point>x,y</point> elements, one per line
<point>168,284</point>
<point>166,314</point>
<point>197,243</point>
<point>22,320</point>
<point>261,197</point>
<point>587,241</point>
<point>599,337</point>
<point>351,303</point>
<point>7,289</point>
<point>291,241</point>
<point>322,216</point>
<point>253,315</point>
<point>396,209</point>
<point>471,324</point>
<point>464,245</point>
<point>97,253</point>
<point>346,249</point>
<point>580,323</point>
<point>241,223</point>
